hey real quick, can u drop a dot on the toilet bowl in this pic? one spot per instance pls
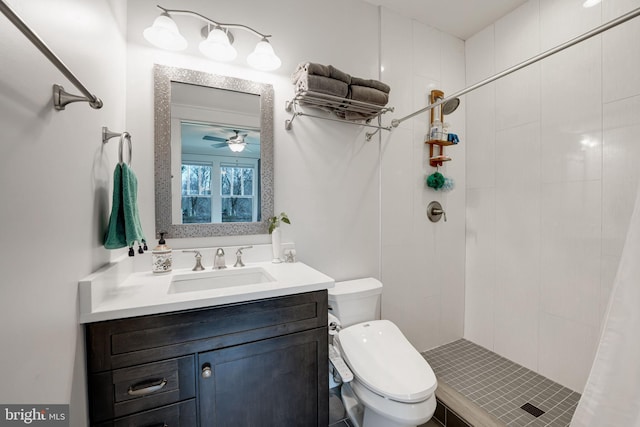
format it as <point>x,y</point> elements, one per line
<point>392,382</point>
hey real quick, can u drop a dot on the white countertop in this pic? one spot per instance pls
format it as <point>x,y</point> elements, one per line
<point>118,291</point>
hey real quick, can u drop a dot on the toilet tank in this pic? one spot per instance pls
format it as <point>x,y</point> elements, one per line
<point>355,301</point>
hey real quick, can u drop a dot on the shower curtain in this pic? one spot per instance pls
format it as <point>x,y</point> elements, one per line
<point>612,394</point>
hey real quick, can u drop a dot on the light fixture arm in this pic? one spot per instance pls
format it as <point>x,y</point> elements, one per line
<point>211,21</point>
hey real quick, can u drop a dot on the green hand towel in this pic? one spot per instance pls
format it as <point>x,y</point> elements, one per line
<point>124,223</point>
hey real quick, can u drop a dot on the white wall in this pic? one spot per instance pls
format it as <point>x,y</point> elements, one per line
<point>422,262</point>
<point>55,180</point>
<point>551,179</point>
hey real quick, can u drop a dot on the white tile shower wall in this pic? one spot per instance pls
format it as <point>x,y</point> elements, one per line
<point>543,240</point>
<point>422,263</point>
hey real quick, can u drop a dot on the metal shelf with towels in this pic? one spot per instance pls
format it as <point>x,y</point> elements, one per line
<point>340,106</point>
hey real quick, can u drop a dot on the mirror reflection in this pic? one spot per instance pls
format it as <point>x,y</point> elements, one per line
<point>219,151</point>
<point>214,154</point>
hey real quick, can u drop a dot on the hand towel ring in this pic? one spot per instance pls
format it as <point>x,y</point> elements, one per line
<point>107,135</point>
<point>123,136</point>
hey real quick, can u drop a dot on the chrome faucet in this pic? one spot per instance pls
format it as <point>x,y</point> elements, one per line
<point>239,262</point>
<point>218,261</point>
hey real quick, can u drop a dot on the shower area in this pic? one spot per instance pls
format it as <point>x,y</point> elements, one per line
<point>550,181</point>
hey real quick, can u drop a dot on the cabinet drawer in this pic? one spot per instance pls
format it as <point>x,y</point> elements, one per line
<point>128,390</point>
<point>181,414</point>
<point>125,342</point>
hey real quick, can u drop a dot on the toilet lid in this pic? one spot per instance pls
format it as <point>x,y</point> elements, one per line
<point>382,359</point>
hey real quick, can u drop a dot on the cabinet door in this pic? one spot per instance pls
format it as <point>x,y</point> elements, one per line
<point>281,381</point>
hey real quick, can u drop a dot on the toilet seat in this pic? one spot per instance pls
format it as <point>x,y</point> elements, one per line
<point>385,362</point>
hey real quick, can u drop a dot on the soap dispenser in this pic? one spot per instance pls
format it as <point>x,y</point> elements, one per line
<point>161,256</point>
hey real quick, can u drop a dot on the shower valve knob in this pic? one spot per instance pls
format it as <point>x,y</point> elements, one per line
<point>435,212</point>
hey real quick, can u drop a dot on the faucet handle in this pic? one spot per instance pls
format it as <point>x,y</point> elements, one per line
<point>239,262</point>
<point>239,251</point>
<point>198,266</point>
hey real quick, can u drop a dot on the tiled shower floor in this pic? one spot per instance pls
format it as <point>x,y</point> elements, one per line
<point>500,386</point>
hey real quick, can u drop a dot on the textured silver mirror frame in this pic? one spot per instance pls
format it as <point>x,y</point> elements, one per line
<point>163,76</point>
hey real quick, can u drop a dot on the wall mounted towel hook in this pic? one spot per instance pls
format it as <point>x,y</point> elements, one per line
<point>107,135</point>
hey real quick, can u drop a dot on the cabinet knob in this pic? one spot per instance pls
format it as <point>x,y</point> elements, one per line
<point>206,371</point>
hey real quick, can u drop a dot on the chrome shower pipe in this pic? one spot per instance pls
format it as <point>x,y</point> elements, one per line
<point>63,97</point>
<point>602,28</point>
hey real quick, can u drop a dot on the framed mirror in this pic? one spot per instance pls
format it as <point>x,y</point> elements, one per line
<point>213,154</point>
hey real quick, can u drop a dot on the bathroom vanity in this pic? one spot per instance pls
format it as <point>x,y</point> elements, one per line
<point>258,361</point>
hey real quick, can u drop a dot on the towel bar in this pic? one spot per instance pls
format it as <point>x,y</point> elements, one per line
<point>60,97</point>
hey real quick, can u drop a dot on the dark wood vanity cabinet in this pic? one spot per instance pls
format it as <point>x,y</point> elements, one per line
<point>260,363</point>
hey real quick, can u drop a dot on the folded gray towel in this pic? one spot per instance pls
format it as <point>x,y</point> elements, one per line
<point>368,94</point>
<point>321,84</point>
<point>356,116</point>
<point>376,84</point>
<point>334,73</point>
<point>311,68</point>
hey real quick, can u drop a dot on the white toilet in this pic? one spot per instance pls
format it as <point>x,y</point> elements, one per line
<point>393,386</point>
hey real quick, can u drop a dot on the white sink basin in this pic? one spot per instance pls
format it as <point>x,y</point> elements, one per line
<point>126,287</point>
<point>218,279</point>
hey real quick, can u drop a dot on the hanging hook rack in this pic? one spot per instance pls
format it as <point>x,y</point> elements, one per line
<point>108,134</point>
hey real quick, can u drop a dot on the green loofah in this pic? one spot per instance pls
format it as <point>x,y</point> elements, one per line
<point>435,180</point>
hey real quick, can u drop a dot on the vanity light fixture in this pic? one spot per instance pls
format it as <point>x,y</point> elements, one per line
<point>590,3</point>
<point>217,46</point>
<point>218,41</point>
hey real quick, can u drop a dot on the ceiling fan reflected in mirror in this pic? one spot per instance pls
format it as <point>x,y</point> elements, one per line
<point>236,142</point>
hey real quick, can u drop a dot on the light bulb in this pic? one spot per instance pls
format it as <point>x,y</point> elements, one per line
<point>217,46</point>
<point>263,57</point>
<point>164,34</point>
<point>236,147</point>
<point>590,3</point>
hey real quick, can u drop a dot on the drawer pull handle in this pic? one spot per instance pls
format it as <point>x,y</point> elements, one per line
<point>146,388</point>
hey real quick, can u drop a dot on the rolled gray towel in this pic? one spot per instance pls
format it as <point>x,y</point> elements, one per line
<point>354,115</point>
<point>334,73</point>
<point>311,68</point>
<point>368,94</point>
<point>321,84</point>
<point>376,84</point>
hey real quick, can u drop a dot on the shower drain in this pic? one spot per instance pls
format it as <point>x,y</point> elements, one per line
<point>533,410</point>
